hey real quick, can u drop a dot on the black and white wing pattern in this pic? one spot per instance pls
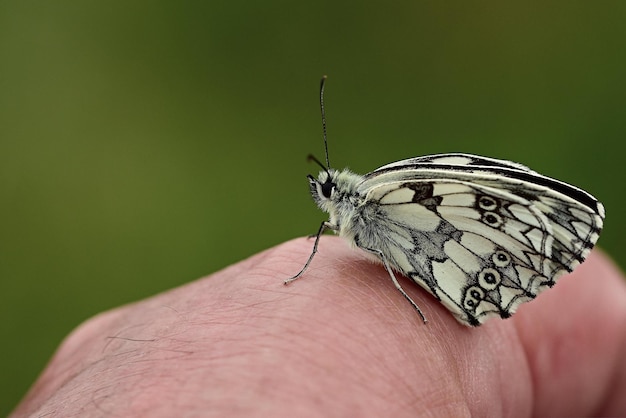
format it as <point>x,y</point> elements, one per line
<point>482,235</point>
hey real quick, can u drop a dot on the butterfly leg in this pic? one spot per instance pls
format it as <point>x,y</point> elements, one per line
<point>323,227</point>
<point>395,281</point>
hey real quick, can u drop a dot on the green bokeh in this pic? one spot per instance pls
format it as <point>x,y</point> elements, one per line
<point>145,144</point>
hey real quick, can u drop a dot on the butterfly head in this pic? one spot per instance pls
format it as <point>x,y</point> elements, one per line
<point>324,187</point>
<point>334,191</point>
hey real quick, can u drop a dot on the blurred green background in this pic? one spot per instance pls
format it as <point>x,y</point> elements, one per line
<point>145,144</point>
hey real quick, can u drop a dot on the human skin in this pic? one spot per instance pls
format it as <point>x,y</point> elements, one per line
<point>340,341</point>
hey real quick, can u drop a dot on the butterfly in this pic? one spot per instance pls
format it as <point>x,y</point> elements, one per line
<point>482,235</point>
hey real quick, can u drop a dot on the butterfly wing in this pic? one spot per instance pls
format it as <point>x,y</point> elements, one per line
<point>481,235</point>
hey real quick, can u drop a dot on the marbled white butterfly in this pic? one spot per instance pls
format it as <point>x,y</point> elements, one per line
<point>481,235</point>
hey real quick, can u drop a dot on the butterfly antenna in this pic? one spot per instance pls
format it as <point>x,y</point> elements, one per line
<point>311,157</point>
<point>322,83</point>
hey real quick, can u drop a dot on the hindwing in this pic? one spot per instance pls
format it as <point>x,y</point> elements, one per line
<point>481,245</point>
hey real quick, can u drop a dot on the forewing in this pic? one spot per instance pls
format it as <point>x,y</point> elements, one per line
<point>482,250</point>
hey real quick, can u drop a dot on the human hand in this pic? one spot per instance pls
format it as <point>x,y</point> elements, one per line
<point>340,341</point>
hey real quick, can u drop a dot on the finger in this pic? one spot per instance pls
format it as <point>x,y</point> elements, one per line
<point>574,338</point>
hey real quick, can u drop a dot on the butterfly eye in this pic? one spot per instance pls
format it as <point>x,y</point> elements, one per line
<point>327,189</point>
